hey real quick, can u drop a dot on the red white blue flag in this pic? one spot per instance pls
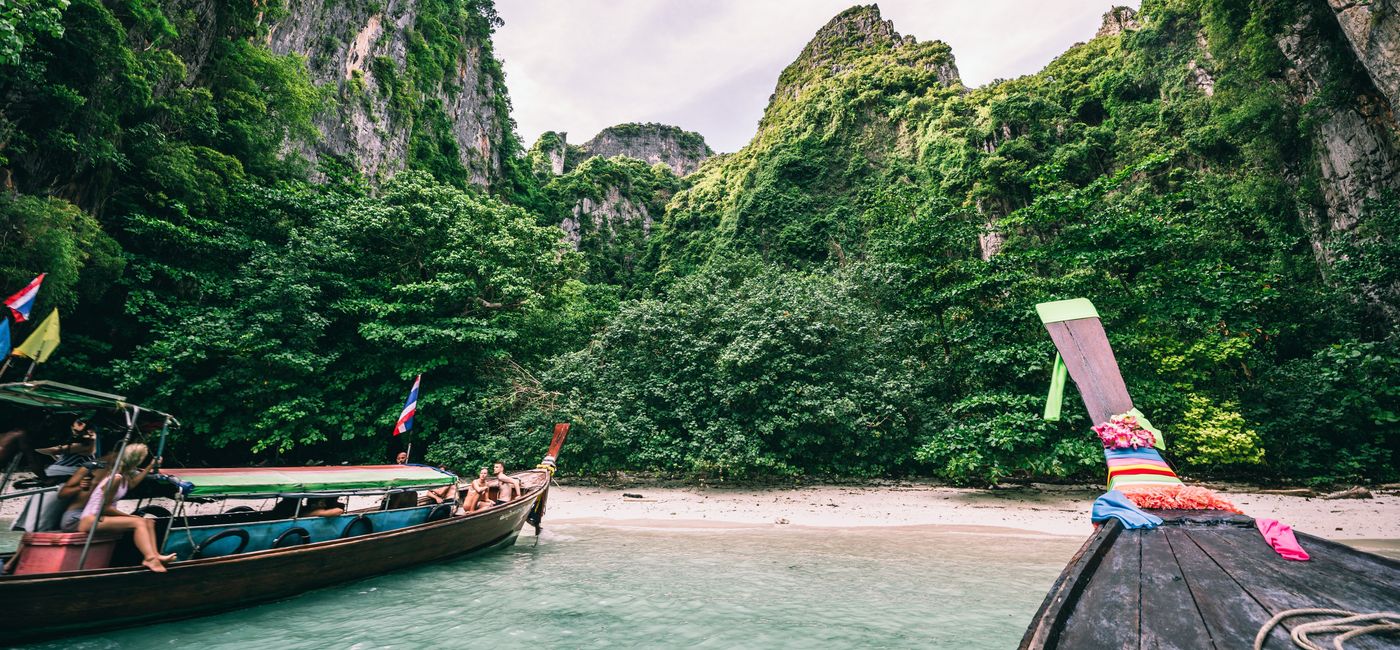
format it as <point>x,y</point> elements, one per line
<point>406,417</point>
<point>22,302</point>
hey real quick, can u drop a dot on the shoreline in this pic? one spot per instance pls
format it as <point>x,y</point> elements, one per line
<point>1003,511</point>
<point>1024,510</point>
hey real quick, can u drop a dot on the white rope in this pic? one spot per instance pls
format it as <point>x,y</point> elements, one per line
<point>1349,624</point>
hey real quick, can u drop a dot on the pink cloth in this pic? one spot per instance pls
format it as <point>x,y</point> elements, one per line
<point>1280,536</point>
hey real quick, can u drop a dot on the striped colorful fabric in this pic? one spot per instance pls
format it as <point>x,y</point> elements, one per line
<point>1144,466</point>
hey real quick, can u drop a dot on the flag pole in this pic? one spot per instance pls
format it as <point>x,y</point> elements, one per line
<point>30,373</point>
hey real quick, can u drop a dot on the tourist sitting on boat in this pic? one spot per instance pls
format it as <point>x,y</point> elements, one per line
<point>68,457</point>
<point>78,489</point>
<point>477,493</point>
<point>124,476</point>
<point>509,487</point>
<point>324,507</point>
<point>401,459</point>
<point>439,495</point>
<point>45,512</point>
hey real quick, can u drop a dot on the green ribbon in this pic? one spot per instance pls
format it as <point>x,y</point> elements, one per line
<point>1056,397</point>
<point>1142,422</point>
<point>1055,400</point>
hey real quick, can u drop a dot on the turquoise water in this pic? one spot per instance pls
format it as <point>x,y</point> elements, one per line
<point>590,586</point>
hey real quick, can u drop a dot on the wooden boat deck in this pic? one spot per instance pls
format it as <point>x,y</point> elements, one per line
<point>1204,579</point>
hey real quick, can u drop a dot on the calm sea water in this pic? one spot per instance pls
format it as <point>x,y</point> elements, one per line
<point>589,586</point>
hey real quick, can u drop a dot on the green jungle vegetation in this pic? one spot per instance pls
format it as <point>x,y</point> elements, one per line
<point>818,304</point>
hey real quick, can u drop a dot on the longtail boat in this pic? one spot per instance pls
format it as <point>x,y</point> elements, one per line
<point>1203,577</point>
<point>242,555</point>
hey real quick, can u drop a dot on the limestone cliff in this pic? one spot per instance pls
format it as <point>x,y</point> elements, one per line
<point>1356,152</point>
<point>1118,20</point>
<point>1373,29</point>
<point>606,208</point>
<point>401,99</point>
<point>608,215</point>
<point>682,151</point>
<point>652,143</point>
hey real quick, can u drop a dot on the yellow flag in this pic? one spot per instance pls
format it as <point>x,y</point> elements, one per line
<point>41,343</point>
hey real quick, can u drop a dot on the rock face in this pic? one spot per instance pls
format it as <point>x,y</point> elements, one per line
<point>608,216</point>
<point>682,151</point>
<point>1373,29</point>
<point>606,208</point>
<point>1118,20</point>
<point>1357,154</point>
<point>361,52</point>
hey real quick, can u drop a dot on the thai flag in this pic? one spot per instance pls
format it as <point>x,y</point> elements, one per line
<point>406,417</point>
<point>22,302</point>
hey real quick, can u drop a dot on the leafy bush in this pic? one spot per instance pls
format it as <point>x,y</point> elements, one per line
<point>1213,435</point>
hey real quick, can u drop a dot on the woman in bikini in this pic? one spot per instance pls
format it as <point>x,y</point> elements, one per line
<point>124,476</point>
<point>477,492</point>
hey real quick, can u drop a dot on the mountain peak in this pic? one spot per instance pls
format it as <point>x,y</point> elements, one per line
<point>1118,20</point>
<point>859,28</point>
<point>856,35</point>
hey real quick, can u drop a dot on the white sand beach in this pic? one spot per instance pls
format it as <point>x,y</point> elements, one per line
<point>1051,510</point>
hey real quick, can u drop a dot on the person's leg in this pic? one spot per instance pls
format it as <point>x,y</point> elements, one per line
<point>142,533</point>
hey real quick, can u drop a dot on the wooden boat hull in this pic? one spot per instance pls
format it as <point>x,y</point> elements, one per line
<point>57,604</point>
<point>1203,579</point>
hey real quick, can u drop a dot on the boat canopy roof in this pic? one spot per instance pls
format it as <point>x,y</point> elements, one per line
<point>64,398</point>
<point>275,481</point>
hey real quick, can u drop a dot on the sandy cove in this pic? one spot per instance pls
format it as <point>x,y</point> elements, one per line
<point>1053,511</point>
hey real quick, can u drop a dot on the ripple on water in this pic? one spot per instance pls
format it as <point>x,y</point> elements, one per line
<point>587,586</point>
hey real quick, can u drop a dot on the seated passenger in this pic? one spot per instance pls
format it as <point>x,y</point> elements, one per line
<point>477,492</point>
<point>401,459</point>
<point>439,495</point>
<point>323,507</point>
<point>510,487</point>
<point>78,489</point>
<point>68,457</point>
<point>125,476</point>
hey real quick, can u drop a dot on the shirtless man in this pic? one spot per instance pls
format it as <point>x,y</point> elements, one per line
<point>510,487</point>
<point>323,507</point>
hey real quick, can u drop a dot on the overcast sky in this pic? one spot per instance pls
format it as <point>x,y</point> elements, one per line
<point>710,65</point>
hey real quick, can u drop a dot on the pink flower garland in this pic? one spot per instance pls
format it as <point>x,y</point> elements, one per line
<point>1122,432</point>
